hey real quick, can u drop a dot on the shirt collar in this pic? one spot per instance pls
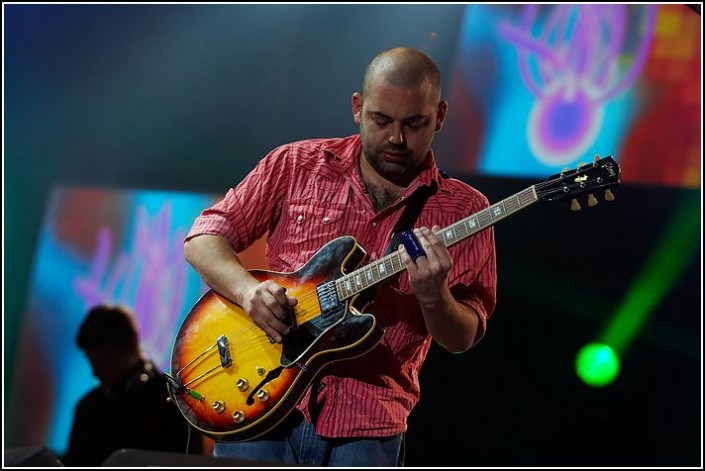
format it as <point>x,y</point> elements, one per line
<point>344,152</point>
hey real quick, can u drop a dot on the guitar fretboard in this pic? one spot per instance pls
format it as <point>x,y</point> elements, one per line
<point>353,283</point>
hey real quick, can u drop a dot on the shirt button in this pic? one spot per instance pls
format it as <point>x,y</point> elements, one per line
<point>300,219</point>
<point>326,220</point>
<point>374,224</point>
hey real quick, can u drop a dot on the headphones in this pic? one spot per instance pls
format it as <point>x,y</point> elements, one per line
<point>135,382</point>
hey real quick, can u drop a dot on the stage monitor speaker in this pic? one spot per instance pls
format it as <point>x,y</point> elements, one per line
<point>128,457</point>
<point>30,457</point>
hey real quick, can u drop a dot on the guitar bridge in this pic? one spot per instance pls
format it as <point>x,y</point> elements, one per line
<point>224,351</point>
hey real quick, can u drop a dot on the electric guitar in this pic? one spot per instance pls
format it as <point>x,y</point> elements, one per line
<point>231,382</point>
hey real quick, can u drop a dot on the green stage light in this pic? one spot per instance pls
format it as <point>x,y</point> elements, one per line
<point>666,263</point>
<point>597,364</point>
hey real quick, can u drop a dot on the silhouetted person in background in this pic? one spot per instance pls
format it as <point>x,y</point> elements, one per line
<point>129,408</point>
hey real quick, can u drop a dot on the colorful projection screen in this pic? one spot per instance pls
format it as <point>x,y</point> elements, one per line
<point>537,88</point>
<point>100,246</point>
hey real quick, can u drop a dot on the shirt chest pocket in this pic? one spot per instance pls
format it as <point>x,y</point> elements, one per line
<point>320,214</point>
<point>314,223</point>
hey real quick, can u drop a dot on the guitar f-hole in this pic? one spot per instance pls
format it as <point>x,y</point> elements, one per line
<point>272,375</point>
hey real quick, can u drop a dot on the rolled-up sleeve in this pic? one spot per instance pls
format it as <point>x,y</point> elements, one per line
<point>251,208</point>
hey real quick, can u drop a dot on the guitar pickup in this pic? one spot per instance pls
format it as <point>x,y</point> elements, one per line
<point>327,298</point>
<point>224,352</point>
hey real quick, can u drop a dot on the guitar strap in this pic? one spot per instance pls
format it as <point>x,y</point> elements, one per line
<point>406,220</point>
<point>411,214</point>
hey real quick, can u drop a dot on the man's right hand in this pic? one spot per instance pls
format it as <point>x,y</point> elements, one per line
<point>268,305</point>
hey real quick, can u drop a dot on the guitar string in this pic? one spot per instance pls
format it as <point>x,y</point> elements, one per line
<point>240,350</point>
<point>309,295</point>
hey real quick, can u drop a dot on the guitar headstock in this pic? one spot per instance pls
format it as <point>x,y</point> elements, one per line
<point>603,173</point>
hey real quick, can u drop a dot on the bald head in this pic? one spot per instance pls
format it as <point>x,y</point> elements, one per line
<point>402,67</point>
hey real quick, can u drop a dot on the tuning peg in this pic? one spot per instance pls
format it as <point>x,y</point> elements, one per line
<point>597,158</point>
<point>608,195</point>
<point>565,170</point>
<point>580,165</point>
<point>592,201</point>
<point>574,205</point>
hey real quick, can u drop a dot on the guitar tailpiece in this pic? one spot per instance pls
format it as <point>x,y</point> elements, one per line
<point>173,382</point>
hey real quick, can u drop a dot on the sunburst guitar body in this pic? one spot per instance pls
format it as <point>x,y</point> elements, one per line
<point>232,382</point>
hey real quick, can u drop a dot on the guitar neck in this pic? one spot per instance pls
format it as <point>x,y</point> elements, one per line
<point>353,283</point>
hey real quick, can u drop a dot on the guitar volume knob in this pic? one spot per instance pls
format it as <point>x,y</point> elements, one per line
<point>238,416</point>
<point>262,395</point>
<point>218,406</point>
<point>242,384</point>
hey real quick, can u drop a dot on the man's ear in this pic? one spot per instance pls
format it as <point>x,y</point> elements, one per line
<point>357,107</point>
<point>441,115</point>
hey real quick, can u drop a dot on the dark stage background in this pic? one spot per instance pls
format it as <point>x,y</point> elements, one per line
<point>515,399</point>
<point>185,99</point>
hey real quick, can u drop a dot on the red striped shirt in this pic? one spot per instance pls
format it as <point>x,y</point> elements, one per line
<point>309,192</point>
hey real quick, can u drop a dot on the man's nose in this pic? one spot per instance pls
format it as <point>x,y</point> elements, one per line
<point>397,137</point>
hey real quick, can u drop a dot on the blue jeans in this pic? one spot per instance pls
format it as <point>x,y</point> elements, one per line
<point>302,446</point>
